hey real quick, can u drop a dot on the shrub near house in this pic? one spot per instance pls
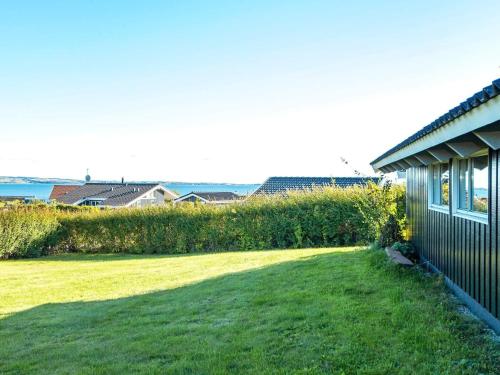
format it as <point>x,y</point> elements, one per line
<point>324,217</point>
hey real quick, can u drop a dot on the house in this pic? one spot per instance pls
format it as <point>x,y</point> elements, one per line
<point>280,185</point>
<point>117,195</point>
<point>214,197</point>
<point>400,177</point>
<point>452,177</point>
<point>60,190</point>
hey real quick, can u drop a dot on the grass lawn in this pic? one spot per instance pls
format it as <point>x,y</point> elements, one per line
<point>291,311</point>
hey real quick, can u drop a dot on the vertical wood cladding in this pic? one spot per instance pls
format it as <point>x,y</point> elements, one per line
<point>464,250</point>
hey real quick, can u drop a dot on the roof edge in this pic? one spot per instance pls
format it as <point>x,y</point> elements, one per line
<point>476,101</point>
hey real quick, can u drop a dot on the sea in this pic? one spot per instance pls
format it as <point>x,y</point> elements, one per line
<point>42,190</point>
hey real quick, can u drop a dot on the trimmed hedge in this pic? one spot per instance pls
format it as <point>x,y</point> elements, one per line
<point>26,232</point>
<point>324,217</point>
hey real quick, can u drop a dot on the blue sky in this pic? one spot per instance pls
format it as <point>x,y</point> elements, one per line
<point>230,90</point>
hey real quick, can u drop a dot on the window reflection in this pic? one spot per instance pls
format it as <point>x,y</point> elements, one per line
<point>435,185</point>
<point>480,183</point>
<point>463,184</point>
<point>445,184</point>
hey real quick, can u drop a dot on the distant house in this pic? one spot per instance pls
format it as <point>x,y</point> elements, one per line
<point>60,190</point>
<point>280,185</point>
<point>400,177</point>
<point>216,198</point>
<point>117,195</point>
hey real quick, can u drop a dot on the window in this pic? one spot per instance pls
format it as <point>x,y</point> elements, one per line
<point>440,183</point>
<point>436,195</point>
<point>463,185</point>
<point>91,202</point>
<point>469,179</point>
<point>473,185</point>
<point>445,184</point>
<point>480,184</point>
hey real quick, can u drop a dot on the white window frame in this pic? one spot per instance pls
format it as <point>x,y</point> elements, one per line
<point>455,185</point>
<point>430,189</point>
<point>92,202</point>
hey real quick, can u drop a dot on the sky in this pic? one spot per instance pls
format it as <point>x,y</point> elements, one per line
<point>230,91</point>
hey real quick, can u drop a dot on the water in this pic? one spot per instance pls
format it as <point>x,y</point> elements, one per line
<point>38,191</point>
<point>42,191</point>
<point>481,192</point>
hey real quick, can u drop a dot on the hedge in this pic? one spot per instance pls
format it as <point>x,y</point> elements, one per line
<point>324,217</point>
<point>25,232</point>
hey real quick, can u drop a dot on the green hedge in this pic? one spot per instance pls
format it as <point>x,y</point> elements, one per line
<point>26,232</point>
<point>326,217</point>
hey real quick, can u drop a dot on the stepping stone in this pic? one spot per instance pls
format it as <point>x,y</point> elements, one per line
<point>398,258</point>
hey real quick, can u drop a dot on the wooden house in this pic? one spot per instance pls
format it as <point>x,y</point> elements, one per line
<point>452,176</point>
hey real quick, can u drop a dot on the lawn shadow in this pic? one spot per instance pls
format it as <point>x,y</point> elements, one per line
<point>223,318</point>
<point>326,313</point>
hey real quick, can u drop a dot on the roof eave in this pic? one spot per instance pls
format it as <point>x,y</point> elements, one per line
<point>484,117</point>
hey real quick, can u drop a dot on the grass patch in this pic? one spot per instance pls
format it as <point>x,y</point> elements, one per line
<point>290,311</point>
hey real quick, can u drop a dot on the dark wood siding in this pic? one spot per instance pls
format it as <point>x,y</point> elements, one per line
<point>466,251</point>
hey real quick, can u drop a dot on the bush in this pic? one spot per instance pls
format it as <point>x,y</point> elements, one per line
<point>26,232</point>
<point>406,248</point>
<point>323,217</point>
<point>386,207</point>
<point>390,232</point>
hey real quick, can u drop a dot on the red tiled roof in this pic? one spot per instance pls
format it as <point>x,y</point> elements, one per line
<point>60,190</point>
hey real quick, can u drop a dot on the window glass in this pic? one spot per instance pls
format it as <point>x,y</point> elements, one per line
<point>463,184</point>
<point>440,182</point>
<point>435,185</point>
<point>480,183</point>
<point>445,184</point>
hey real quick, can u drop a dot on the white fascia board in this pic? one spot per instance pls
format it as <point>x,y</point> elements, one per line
<point>184,197</point>
<point>157,187</point>
<point>483,115</point>
<point>165,190</point>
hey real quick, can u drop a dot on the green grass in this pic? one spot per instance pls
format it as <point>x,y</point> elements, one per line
<point>292,311</point>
